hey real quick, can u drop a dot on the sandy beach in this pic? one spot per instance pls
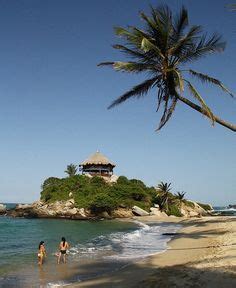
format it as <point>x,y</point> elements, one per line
<point>202,254</point>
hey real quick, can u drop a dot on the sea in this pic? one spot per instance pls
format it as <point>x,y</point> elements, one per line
<point>96,248</point>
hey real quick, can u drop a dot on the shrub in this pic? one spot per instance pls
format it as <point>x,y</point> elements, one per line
<point>174,210</point>
<point>97,181</point>
<point>189,203</point>
<point>102,202</point>
<point>51,181</point>
<point>122,180</point>
<point>96,194</point>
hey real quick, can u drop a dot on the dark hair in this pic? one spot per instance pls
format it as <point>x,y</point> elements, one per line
<point>63,239</point>
<point>41,243</point>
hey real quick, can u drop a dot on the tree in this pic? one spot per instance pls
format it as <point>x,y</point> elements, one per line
<point>71,170</point>
<point>180,196</point>
<point>164,195</point>
<point>161,50</point>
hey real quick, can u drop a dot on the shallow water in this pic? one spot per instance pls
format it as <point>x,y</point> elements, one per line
<point>97,247</point>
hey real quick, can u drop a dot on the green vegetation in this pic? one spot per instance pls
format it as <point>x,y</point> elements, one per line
<point>97,195</point>
<point>164,196</point>
<point>174,210</point>
<point>180,195</point>
<point>168,202</point>
<point>71,170</point>
<point>162,49</point>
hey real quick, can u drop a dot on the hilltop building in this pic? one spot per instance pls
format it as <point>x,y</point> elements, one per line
<point>97,165</point>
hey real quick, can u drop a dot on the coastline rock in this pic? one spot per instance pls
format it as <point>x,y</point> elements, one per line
<point>113,178</point>
<point>193,210</point>
<point>122,213</point>
<point>57,209</point>
<point>23,206</point>
<point>139,211</point>
<point>156,211</point>
<point>3,209</point>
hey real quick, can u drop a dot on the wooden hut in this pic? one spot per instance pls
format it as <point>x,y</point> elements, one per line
<point>97,165</point>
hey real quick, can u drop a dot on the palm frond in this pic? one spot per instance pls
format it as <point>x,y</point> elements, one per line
<point>134,53</point>
<point>147,46</point>
<point>150,22</point>
<point>167,114</point>
<point>130,37</point>
<point>106,64</point>
<point>120,31</point>
<point>207,79</point>
<point>137,91</point>
<point>203,48</point>
<point>180,23</point>
<point>186,43</point>
<point>180,80</point>
<point>130,67</point>
<point>197,96</point>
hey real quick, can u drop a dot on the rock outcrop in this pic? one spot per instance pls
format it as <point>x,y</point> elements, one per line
<point>122,213</point>
<point>157,212</point>
<point>3,209</point>
<point>68,210</point>
<point>139,211</point>
<point>193,210</point>
<point>57,209</point>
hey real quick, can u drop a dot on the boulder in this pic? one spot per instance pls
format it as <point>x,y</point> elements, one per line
<point>194,214</point>
<point>113,178</point>
<point>122,212</point>
<point>23,206</point>
<point>82,212</point>
<point>70,194</point>
<point>3,209</point>
<point>193,210</point>
<point>154,211</point>
<point>157,212</point>
<point>70,203</point>
<point>139,211</point>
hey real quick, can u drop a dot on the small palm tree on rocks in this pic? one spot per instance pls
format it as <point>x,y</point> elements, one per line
<point>71,170</point>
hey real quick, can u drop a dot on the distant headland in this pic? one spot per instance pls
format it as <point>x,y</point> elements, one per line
<point>96,193</point>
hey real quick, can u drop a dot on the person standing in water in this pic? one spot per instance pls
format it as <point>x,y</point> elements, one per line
<point>41,253</point>
<point>63,247</point>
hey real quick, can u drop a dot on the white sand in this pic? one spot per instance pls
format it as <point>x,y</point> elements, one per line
<point>202,255</point>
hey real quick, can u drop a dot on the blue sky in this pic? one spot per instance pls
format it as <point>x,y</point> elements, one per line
<point>53,101</point>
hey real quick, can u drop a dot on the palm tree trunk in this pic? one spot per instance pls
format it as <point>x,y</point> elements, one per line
<point>202,111</point>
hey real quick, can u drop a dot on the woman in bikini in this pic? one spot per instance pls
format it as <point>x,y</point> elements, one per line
<point>63,247</point>
<point>41,253</point>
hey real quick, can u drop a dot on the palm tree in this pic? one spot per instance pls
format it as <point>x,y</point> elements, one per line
<point>71,170</point>
<point>161,50</point>
<point>180,196</point>
<point>164,195</point>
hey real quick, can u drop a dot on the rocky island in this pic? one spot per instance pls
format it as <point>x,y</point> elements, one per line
<point>97,193</point>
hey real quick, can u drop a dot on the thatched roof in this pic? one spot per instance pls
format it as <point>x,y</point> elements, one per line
<point>97,159</point>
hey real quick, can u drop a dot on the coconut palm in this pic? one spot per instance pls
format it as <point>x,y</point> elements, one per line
<point>164,195</point>
<point>71,170</point>
<point>162,51</point>
<point>180,195</point>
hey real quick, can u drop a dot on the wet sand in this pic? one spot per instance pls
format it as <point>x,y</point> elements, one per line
<point>202,254</point>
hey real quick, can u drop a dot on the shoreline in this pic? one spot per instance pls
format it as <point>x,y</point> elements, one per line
<point>201,254</point>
